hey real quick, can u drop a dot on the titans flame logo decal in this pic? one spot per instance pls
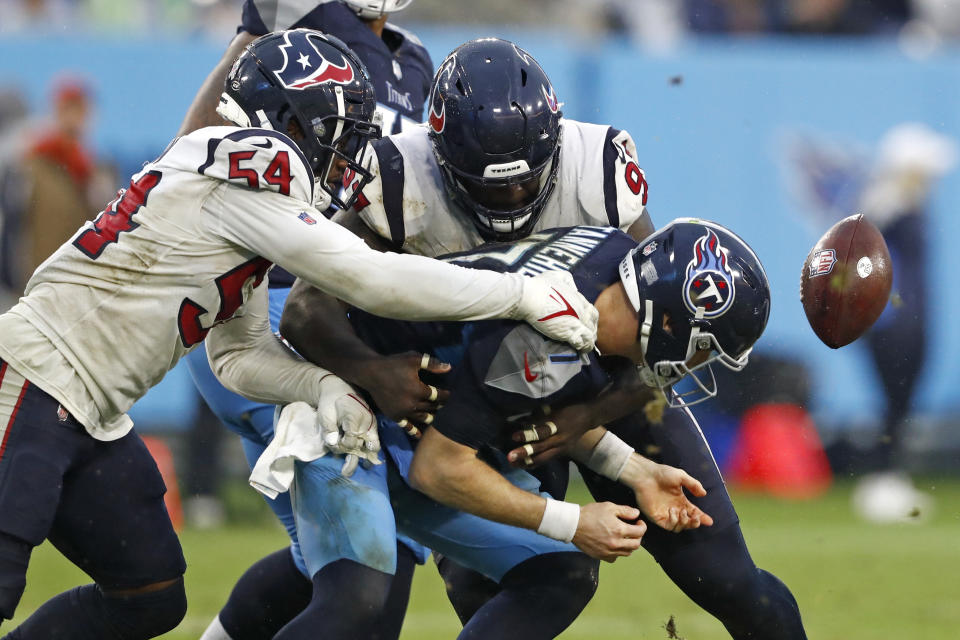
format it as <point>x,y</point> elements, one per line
<point>438,119</point>
<point>309,68</point>
<point>709,282</point>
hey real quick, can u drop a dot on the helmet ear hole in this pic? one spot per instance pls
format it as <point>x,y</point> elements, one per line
<point>523,77</point>
<point>294,130</point>
<point>745,273</point>
<point>460,88</point>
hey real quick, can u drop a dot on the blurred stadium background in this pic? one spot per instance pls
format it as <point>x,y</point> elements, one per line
<point>770,116</point>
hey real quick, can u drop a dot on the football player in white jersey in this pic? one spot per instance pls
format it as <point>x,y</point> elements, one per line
<point>496,161</point>
<point>483,168</point>
<point>274,589</point>
<point>166,265</point>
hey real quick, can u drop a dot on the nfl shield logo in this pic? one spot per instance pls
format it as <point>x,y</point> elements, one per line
<point>307,218</point>
<point>822,262</point>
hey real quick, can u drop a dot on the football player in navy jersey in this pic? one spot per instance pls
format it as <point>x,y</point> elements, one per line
<point>496,520</point>
<point>497,161</point>
<point>399,65</point>
<point>177,260</point>
<point>400,68</point>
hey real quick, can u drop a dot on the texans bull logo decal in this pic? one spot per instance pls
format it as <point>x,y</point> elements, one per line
<point>551,97</point>
<point>438,119</point>
<point>709,282</point>
<point>310,68</point>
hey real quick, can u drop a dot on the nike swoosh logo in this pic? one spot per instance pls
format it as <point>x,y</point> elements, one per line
<point>566,312</point>
<point>529,375</point>
<point>263,145</point>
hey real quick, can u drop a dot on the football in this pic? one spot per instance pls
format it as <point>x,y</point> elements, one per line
<point>846,281</point>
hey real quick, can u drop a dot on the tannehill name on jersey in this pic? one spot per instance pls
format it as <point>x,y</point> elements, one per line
<point>557,251</point>
<point>567,252</point>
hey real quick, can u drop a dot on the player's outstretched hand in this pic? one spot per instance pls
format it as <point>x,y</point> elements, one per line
<point>401,395</point>
<point>551,435</point>
<point>659,492</point>
<point>605,531</point>
<point>552,304</point>
<point>347,425</point>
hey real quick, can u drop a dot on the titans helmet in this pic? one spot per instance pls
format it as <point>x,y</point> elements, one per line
<point>373,9</point>
<point>495,124</point>
<point>310,86</point>
<point>696,286</point>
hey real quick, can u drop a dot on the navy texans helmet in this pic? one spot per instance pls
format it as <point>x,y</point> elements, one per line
<point>495,124</point>
<point>315,81</point>
<point>696,287</point>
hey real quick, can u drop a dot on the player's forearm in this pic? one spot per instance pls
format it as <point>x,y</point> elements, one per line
<point>392,285</point>
<point>452,474</point>
<point>615,403</point>
<point>316,325</point>
<point>627,395</point>
<point>411,287</point>
<point>581,450</point>
<point>605,453</point>
<point>260,367</point>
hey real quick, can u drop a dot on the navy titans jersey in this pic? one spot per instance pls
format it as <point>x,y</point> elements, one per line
<point>399,65</point>
<point>504,369</point>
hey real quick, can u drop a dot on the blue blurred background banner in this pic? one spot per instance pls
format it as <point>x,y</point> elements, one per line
<point>717,125</point>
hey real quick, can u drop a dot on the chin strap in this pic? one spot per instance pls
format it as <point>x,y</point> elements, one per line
<point>647,375</point>
<point>229,110</point>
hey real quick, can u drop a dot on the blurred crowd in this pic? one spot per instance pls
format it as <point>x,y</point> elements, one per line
<point>655,22</point>
<point>50,181</point>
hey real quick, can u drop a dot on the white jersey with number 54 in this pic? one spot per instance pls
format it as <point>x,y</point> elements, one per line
<point>186,247</point>
<point>111,311</point>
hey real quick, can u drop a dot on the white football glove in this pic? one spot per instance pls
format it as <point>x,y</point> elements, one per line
<point>347,424</point>
<point>553,306</point>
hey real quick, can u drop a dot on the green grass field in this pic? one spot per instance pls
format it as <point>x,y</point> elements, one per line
<point>853,581</point>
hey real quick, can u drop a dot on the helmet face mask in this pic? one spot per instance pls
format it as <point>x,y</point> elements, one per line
<point>504,208</point>
<point>309,86</point>
<point>702,297</point>
<point>690,380</point>
<point>345,166</point>
<point>495,124</point>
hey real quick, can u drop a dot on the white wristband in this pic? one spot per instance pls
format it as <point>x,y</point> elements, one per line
<point>560,520</point>
<point>609,458</point>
